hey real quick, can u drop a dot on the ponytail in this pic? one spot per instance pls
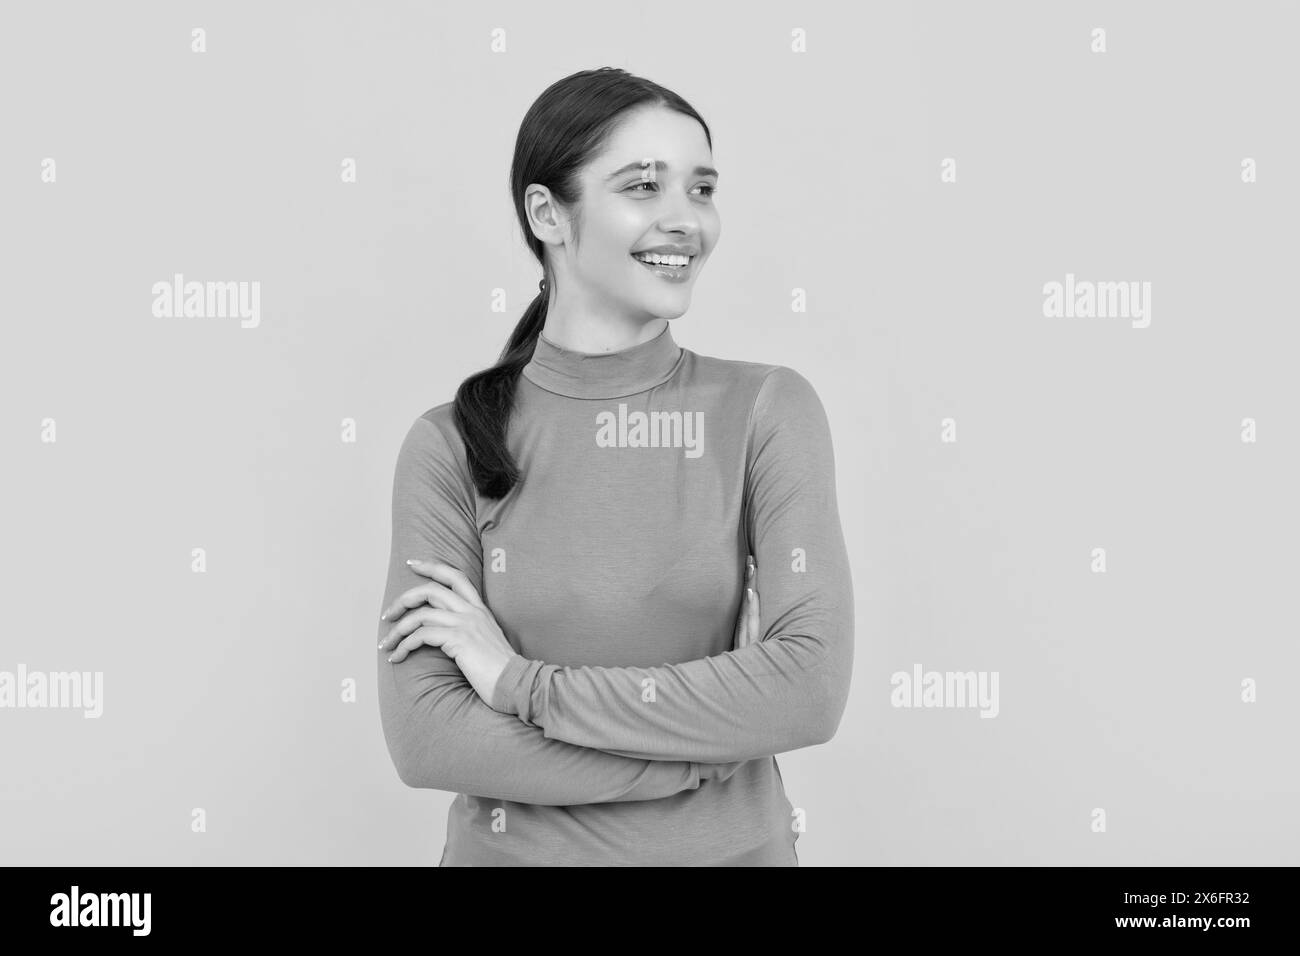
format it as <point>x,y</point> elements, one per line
<point>486,399</point>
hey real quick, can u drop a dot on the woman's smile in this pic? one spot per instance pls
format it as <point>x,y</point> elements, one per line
<point>668,268</point>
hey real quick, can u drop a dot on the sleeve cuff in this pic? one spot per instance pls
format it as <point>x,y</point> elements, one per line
<point>510,696</point>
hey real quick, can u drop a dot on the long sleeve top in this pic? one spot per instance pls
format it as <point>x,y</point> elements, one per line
<point>626,729</point>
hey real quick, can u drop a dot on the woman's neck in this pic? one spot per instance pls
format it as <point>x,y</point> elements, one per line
<point>598,334</point>
<point>579,373</point>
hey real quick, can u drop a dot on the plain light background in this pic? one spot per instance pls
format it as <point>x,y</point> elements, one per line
<point>1119,691</point>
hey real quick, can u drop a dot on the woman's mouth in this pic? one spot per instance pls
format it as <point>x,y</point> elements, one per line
<point>670,267</point>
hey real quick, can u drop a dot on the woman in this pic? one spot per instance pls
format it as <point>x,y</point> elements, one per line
<point>570,650</point>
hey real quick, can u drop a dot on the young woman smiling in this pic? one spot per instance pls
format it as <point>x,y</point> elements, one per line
<point>566,639</point>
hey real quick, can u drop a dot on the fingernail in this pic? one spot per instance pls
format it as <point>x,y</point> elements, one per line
<point>384,616</point>
<point>410,560</point>
<point>750,592</point>
<point>390,660</point>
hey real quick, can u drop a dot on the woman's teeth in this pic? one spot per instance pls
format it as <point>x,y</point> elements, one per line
<point>655,259</point>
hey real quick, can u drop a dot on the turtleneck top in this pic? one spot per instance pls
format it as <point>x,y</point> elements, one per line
<point>627,729</point>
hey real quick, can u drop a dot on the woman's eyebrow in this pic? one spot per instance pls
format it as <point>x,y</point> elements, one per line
<point>660,166</point>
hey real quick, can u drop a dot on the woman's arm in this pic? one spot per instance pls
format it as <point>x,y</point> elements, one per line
<point>785,692</point>
<point>440,734</point>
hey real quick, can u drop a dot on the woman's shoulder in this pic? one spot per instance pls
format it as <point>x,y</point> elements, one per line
<point>433,435</point>
<point>769,387</point>
<point>442,416</point>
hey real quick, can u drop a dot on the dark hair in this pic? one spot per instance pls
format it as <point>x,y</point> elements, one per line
<point>565,127</point>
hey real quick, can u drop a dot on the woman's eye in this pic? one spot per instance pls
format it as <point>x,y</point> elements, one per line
<point>711,189</point>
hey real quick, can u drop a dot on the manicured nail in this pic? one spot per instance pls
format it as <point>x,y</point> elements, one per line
<point>750,592</point>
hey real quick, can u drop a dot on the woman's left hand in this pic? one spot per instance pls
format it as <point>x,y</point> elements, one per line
<point>448,613</point>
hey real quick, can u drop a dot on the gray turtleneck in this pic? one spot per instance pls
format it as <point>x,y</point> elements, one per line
<point>626,730</point>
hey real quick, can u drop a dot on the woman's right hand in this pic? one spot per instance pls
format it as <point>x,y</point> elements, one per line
<point>747,629</point>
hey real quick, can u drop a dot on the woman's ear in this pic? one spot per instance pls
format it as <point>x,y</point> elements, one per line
<point>544,215</point>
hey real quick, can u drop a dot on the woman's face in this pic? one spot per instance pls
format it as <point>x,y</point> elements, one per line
<point>630,208</point>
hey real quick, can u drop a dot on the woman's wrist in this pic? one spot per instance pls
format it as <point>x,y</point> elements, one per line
<point>505,693</point>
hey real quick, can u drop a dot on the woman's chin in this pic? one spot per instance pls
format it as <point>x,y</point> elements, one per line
<point>668,306</point>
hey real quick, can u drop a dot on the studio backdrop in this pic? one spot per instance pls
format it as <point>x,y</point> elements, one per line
<point>1070,515</point>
